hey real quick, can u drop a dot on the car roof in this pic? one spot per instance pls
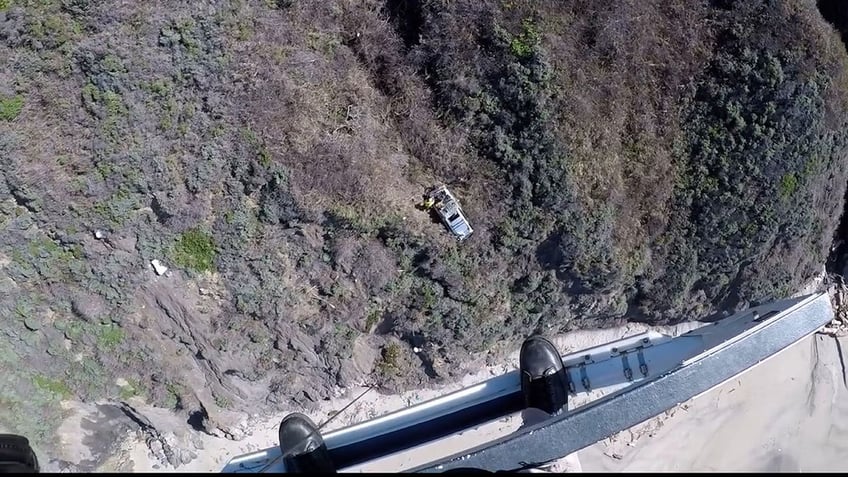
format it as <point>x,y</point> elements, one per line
<point>460,226</point>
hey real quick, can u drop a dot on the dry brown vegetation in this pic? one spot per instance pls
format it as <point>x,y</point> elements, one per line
<point>651,160</point>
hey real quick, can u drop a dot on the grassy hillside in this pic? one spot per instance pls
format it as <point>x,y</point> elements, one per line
<point>639,160</point>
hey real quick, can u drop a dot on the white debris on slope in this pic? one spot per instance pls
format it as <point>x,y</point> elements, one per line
<point>158,267</point>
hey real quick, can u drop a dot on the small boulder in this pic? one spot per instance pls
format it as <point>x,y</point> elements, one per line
<point>90,307</point>
<point>32,323</point>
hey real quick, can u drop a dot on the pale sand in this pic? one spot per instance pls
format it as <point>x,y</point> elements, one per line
<point>787,414</point>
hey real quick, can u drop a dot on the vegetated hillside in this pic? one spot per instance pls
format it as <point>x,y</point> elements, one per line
<point>634,160</point>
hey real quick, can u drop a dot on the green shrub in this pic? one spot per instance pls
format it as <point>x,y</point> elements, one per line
<point>131,389</point>
<point>118,208</point>
<point>110,336</point>
<point>372,317</point>
<point>174,395</point>
<point>526,42</point>
<point>195,250</point>
<point>222,402</point>
<point>788,184</point>
<point>390,362</point>
<point>279,4</point>
<point>10,107</point>
<point>757,129</point>
<point>54,386</point>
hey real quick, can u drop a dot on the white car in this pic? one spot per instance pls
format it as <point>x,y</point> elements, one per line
<point>450,212</point>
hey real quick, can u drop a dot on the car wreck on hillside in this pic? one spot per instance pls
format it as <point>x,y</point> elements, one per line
<point>447,207</point>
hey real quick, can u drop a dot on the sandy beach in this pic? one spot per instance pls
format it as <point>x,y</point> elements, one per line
<point>789,414</point>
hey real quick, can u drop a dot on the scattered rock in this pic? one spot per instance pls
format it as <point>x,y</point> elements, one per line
<point>314,235</point>
<point>304,346</point>
<point>187,456</point>
<point>98,234</point>
<point>196,441</point>
<point>31,339</point>
<point>32,323</point>
<point>360,364</point>
<point>838,291</point>
<point>156,448</point>
<point>127,244</point>
<point>7,285</point>
<point>173,457</point>
<point>158,267</point>
<point>345,251</point>
<point>89,307</point>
